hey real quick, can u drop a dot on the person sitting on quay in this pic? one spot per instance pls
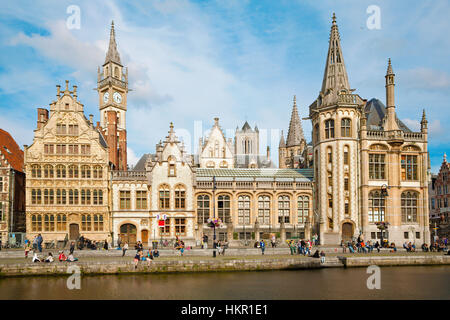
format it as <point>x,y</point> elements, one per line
<point>49,258</point>
<point>316,254</point>
<point>35,257</point>
<point>27,247</point>
<point>105,246</point>
<point>71,258</point>
<point>377,246</point>
<point>322,257</point>
<point>124,248</point>
<point>155,253</point>
<point>405,246</point>
<point>149,257</point>
<point>393,247</point>
<point>62,256</point>
<point>425,247</point>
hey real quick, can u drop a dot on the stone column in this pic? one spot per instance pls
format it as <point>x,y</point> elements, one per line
<point>282,233</point>
<point>256,230</point>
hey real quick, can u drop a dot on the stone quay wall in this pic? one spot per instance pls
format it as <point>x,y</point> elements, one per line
<point>395,261</point>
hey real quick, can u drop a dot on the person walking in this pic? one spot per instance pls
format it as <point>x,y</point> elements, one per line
<point>39,242</point>
<point>124,249</point>
<point>72,247</point>
<point>262,245</point>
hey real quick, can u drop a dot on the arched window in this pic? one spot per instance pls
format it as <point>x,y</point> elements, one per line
<point>303,208</point>
<point>172,169</point>
<point>73,196</point>
<point>35,171</point>
<point>346,127</point>
<point>284,205</point>
<point>36,222</point>
<point>60,171</point>
<point>86,222</point>
<point>73,172</point>
<point>203,209</point>
<point>85,172</point>
<point>36,196</point>
<point>60,196</point>
<point>48,196</point>
<point>377,206</point>
<point>329,129</point>
<point>223,208</point>
<point>264,209</point>
<point>224,164</point>
<point>243,209</point>
<point>97,172</point>
<point>48,171</point>
<point>180,197</point>
<point>49,222</point>
<point>116,72</point>
<point>409,207</point>
<point>98,222</point>
<point>164,197</point>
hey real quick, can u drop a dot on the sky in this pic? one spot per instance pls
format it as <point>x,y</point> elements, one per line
<point>239,60</point>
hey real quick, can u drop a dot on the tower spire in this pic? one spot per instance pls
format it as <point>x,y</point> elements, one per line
<point>295,133</point>
<point>335,76</point>
<point>112,55</point>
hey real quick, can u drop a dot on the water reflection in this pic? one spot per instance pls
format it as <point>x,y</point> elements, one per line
<point>396,283</point>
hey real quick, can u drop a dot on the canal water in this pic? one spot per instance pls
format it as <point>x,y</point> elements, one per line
<point>416,282</point>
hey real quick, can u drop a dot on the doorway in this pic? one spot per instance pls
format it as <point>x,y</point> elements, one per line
<point>144,237</point>
<point>347,231</point>
<point>128,234</point>
<point>74,231</point>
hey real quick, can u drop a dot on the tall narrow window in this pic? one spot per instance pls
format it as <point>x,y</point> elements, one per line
<point>180,197</point>
<point>61,222</point>
<point>303,208</point>
<point>85,172</point>
<point>164,197</point>
<point>284,205</point>
<point>243,209</point>
<point>35,171</point>
<point>346,162</point>
<point>172,169</point>
<point>223,208</point>
<point>329,129</point>
<point>409,207</point>
<point>377,207</point>
<point>97,172</point>
<point>264,209</point>
<point>48,171</point>
<point>346,127</point>
<point>141,199</point>
<point>60,171</point>
<point>329,155</point>
<point>203,208</point>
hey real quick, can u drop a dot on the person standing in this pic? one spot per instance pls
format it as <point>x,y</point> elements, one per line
<point>262,245</point>
<point>124,249</point>
<point>39,242</point>
<point>27,248</point>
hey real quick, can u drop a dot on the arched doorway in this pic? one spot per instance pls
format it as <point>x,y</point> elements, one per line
<point>128,234</point>
<point>144,237</point>
<point>347,231</point>
<point>74,231</point>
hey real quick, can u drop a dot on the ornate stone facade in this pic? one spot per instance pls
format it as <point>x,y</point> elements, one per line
<point>67,174</point>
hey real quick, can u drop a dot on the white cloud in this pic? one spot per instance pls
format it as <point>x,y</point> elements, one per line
<point>435,129</point>
<point>412,124</point>
<point>425,78</point>
<point>132,159</point>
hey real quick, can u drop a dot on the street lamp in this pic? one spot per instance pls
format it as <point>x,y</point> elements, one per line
<point>214,215</point>
<point>383,225</point>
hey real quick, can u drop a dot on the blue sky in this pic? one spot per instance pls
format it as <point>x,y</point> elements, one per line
<point>238,60</point>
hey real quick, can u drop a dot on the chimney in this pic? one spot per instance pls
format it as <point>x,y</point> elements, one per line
<point>91,120</point>
<point>268,153</point>
<point>216,121</point>
<point>42,117</point>
<point>75,92</point>
<point>58,90</point>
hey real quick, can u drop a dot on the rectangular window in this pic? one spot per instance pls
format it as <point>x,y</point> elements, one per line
<point>61,222</point>
<point>1,184</point>
<point>346,184</point>
<point>345,157</point>
<point>373,235</point>
<point>165,230</point>
<point>2,213</point>
<point>49,149</point>
<point>346,208</point>
<point>377,166</point>
<point>73,149</point>
<point>85,196</point>
<point>125,200</point>
<point>406,235</point>
<point>417,235</point>
<point>98,222</point>
<point>86,222</point>
<point>85,149</point>
<point>73,129</point>
<point>61,149</point>
<point>409,167</point>
<point>180,226</point>
<point>61,129</point>
<point>141,199</point>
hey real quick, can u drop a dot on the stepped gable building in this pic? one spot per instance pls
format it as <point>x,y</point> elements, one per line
<point>67,174</point>
<point>360,149</point>
<point>112,88</point>
<point>12,188</point>
<point>293,153</point>
<point>440,201</point>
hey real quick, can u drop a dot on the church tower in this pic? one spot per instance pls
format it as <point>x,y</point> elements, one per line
<point>292,153</point>
<point>112,91</point>
<point>335,116</point>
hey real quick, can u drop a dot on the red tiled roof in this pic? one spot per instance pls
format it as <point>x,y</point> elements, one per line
<point>11,151</point>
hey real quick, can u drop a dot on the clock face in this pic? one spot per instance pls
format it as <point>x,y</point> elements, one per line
<point>117,97</point>
<point>106,97</point>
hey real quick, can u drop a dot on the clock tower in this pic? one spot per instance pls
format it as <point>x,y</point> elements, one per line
<point>112,91</point>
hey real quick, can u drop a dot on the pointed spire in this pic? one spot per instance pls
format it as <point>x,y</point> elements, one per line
<point>445,157</point>
<point>424,117</point>
<point>282,142</point>
<point>389,68</point>
<point>112,55</point>
<point>424,123</point>
<point>246,126</point>
<point>295,133</point>
<point>335,75</point>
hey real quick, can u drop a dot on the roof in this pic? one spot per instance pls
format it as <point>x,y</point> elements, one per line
<point>244,161</point>
<point>112,55</point>
<point>375,113</point>
<point>301,174</point>
<point>140,165</point>
<point>11,151</point>
<point>295,133</point>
